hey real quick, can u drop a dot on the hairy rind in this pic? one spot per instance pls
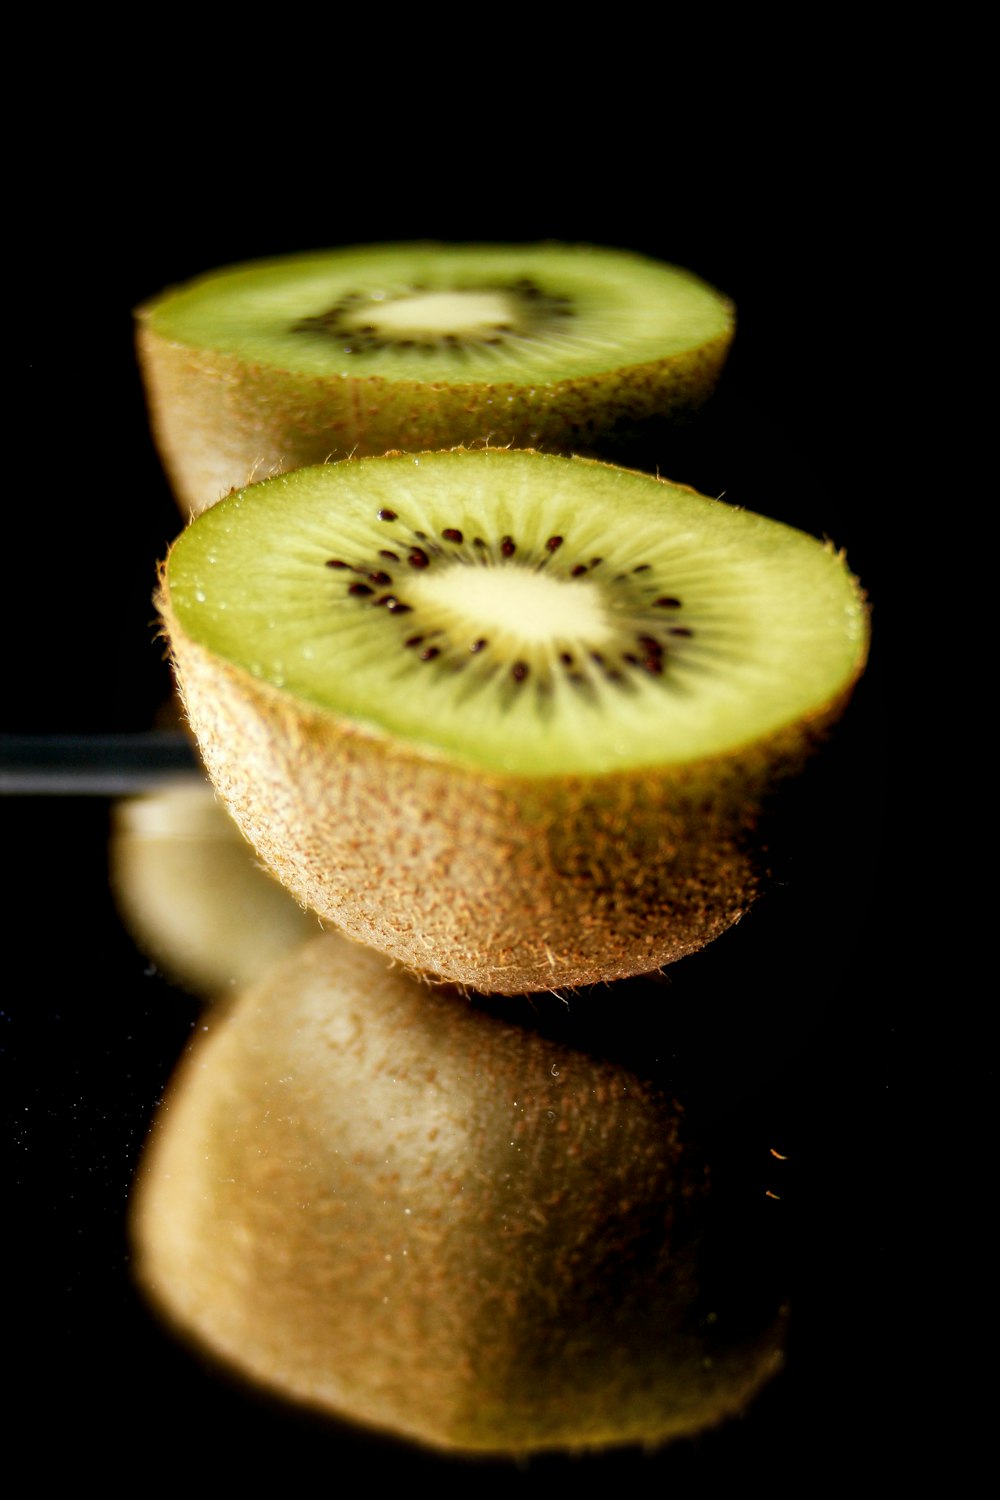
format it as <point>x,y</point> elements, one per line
<point>404,1211</point>
<point>221,423</point>
<point>505,884</point>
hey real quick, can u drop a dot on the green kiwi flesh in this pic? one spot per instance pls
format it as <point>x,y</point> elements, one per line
<point>510,718</point>
<point>413,1214</point>
<point>275,365</point>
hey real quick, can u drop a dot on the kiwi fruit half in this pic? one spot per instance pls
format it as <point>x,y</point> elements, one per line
<point>275,365</point>
<point>426,1218</point>
<point>510,718</point>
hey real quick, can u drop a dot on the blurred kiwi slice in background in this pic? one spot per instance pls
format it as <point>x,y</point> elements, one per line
<point>272,365</point>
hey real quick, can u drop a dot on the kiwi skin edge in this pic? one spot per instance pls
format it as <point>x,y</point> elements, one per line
<point>419,1216</point>
<point>502,884</point>
<point>220,426</point>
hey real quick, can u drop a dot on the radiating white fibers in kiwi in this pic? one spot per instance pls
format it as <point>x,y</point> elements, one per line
<point>274,365</point>
<point>400,1209</point>
<point>531,795</point>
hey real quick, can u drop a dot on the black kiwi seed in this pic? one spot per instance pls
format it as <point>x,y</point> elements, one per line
<point>451,534</point>
<point>418,558</point>
<point>387,515</point>
<point>667,603</point>
<point>508,546</point>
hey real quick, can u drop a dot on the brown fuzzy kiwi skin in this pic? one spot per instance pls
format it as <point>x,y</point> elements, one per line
<point>220,424</point>
<point>405,1211</point>
<point>504,884</point>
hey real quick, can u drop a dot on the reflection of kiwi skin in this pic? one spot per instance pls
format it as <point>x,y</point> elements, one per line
<point>498,817</point>
<point>264,368</point>
<point>413,1214</point>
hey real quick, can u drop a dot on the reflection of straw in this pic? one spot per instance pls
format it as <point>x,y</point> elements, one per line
<point>98,765</point>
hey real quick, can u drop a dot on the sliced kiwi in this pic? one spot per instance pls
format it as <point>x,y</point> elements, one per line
<point>270,366</point>
<point>510,718</point>
<point>423,1217</point>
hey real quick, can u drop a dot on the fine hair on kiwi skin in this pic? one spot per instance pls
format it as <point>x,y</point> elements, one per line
<point>509,852</point>
<point>261,368</point>
<point>436,1220</point>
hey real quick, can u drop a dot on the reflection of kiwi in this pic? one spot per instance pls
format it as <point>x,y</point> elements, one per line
<point>409,1212</point>
<point>508,717</point>
<point>271,366</point>
<point>191,891</point>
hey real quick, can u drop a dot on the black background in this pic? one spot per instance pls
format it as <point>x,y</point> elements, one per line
<point>790,1009</point>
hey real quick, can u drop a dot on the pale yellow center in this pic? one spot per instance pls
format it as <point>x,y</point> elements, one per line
<point>528,606</point>
<point>438,312</point>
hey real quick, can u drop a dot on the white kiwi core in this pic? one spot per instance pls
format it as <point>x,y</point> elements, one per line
<point>527,606</point>
<point>440,313</point>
